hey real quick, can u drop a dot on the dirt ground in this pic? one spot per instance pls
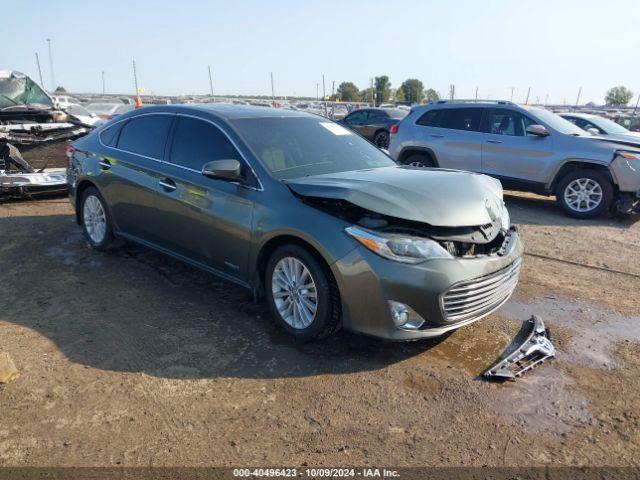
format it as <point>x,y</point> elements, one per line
<point>132,359</point>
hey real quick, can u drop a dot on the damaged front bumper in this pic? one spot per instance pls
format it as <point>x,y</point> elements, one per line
<point>531,347</point>
<point>369,283</point>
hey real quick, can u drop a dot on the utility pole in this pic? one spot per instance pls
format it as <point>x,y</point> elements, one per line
<point>53,75</point>
<point>476,94</point>
<point>103,89</point>
<point>273,96</point>
<point>333,88</point>
<point>324,97</point>
<point>526,102</point>
<point>317,91</point>
<point>512,90</point>
<point>636,107</point>
<point>210,80</point>
<point>135,77</point>
<point>373,93</point>
<point>578,99</point>
<point>39,69</point>
<point>546,99</point>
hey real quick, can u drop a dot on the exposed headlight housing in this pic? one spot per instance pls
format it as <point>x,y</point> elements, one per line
<point>400,248</point>
<point>505,219</point>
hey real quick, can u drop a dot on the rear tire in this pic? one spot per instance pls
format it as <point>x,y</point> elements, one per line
<point>302,294</point>
<point>584,193</point>
<point>381,139</point>
<point>96,220</point>
<point>419,160</point>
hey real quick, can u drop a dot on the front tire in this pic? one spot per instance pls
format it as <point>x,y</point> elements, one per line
<point>96,220</point>
<point>584,193</point>
<point>302,294</point>
<point>419,160</point>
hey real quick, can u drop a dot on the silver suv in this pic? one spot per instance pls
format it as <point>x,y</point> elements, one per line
<point>527,148</point>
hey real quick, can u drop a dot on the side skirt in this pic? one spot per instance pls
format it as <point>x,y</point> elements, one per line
<point>187,260</point>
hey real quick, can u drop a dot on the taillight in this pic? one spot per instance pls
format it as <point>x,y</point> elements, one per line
<point>70,151</point>
<point>394,128</point>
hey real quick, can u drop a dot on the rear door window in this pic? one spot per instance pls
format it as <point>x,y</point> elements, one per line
<point>461,119</point>
<point>357,117</point>
<point>430,118</point>
<point>146,135</point>
<point>196,142</point>
<point>109,136</point>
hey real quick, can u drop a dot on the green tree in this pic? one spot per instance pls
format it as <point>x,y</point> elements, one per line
<point>431,95</point>
<point>60,89</point>
<point>413,90</point>
<point>348,92</point>
<point>399,95</point>
<point>366,95</point>
<point>383,89</point>
<point>618,96</point>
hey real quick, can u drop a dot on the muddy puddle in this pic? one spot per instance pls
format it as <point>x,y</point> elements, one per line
<point>593,330</point>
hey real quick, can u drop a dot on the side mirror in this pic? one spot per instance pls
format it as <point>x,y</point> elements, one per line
<point>593,131</point>
<point>537,130</point>
<point>222,169</point>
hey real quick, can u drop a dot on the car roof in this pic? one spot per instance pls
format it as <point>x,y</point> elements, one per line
<point>229,111</point>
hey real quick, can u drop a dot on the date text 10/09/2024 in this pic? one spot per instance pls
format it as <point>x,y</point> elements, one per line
<point>316,472</point>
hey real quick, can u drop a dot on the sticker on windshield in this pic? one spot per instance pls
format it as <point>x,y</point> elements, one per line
<point>335,128</point>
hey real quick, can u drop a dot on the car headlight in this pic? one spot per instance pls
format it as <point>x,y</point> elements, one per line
<point>505,219</point>
<point>400,248</point>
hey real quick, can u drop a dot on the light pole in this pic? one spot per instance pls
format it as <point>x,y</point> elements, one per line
<point>210,81</point>
<point>103,89</point>
<point>39,69</point>
<point>53,75</point>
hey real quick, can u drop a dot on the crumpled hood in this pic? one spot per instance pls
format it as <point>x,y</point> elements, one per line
<point>444,198</point>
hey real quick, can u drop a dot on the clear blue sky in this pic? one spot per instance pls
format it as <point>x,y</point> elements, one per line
<point>552,46</point>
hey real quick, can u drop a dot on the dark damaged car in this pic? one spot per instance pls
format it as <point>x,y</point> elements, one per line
<point>303,212</point>
<point>34,135</point>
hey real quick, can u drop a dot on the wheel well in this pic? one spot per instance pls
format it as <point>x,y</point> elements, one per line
<point>380,130</point>
<point>570,166</point>
<point>425,152</point>
<point>268,248</point>
<point>82,186</point>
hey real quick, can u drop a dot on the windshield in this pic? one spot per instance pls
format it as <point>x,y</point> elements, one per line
<point>607,125</point>
<point>294,147</point>
<point>18,89</point>
<point>557,122</point>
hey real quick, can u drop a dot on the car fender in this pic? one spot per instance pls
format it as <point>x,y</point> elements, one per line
<point>577,162</point>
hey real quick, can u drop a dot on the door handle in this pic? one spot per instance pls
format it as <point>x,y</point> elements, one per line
<point>104,164</point>
<point>437,135</point>
<point>168,184</point>
<point>494,141</point>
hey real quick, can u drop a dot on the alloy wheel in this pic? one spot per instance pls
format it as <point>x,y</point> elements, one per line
<point>294,292</point>
<point>583,195</point>
<point>94,218</point>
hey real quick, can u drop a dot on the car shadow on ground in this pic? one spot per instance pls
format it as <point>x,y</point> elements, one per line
<point>530,209</point>
<point>134,310</point>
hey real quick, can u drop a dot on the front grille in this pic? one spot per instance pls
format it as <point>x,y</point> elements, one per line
<point>472,299</point>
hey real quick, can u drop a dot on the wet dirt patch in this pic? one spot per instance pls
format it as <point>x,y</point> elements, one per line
<point>594,330</point>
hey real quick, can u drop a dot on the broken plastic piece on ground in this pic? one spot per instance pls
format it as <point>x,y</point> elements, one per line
<point>8,370</point>
<point>51,181</point>
<point>529,348</point>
